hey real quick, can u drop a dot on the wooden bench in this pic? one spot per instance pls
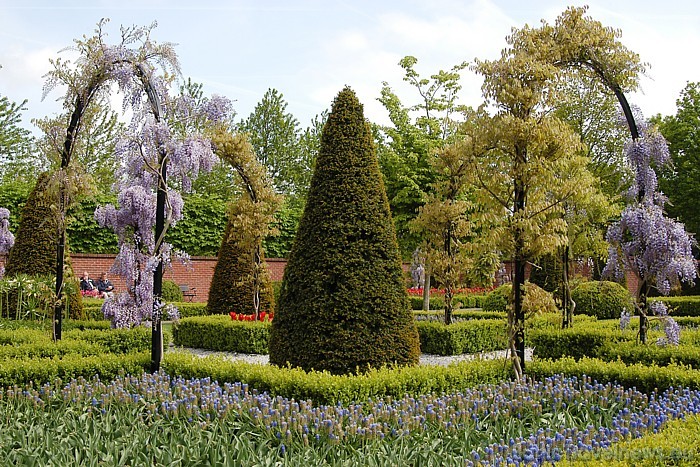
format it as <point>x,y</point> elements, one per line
<point>188,293</point>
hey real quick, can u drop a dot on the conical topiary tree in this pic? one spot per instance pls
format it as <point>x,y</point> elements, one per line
<point>34,251</point>
<point>343,305</point>
<point>231,288</point>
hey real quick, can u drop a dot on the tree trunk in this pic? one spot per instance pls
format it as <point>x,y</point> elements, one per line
<point>643,319</point>
<point>566,301</point>
<point>426,287</point>
<point>156,316</point>
<point>519,266</point>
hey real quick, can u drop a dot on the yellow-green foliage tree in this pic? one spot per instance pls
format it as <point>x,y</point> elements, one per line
<point>241,281</point>
<point>527,150</point>
<point>343,305</point>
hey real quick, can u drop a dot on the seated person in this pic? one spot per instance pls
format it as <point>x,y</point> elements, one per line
<point>104,286</point>
<point>87,286</point>
<point>86,283</point>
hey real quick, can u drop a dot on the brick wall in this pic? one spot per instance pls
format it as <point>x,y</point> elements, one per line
<point>198,276</point>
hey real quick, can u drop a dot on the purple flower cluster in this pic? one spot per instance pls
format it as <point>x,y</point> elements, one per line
<point>534,423</point>
<point>7,239</point>
<point>655,248</point>
<point>625,319</point>
<point>163,131</point>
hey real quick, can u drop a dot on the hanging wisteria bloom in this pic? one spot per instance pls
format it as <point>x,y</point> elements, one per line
<point>165,132</point>
<point>7,239</point>
<point>644,242</point>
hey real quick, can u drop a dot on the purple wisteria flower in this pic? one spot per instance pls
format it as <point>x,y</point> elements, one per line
<point>164,131</point>
<point>644,242</point>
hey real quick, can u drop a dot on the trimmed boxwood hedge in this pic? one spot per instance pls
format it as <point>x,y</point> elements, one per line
<point>44,370</point>
<point>681,306</point>
<point>463,337</point>
<point>458,315</point>
<point>437,302</point>
<point>221,333</point>
<point>325,388</point>
<point>646,378</point>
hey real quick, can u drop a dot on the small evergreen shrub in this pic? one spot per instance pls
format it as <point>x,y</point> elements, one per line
<point>343,305</point>
<point>465,337</point>
<point>602,299</point>
<point>171,291</point>
<point>535,301</point>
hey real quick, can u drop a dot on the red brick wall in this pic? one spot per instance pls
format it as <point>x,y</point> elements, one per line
<point>197,276</point>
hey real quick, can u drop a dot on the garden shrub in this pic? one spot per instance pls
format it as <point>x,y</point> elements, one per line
<point>326,388</point>
<point>464,337</point>
<point>43,370</point>
<point>535,301</point>
<point>646,378</point>
<point>602,299</point>
<point>171,291</point>
<point>576,342</point>
<point>343,304</point>
<point>118,341</point>
<point>230,289</point>
<point>34,251</point>
<point>187,309</point>
<point>681,306</point>
<point>437,302</point>
<point>221,333</point>
<point>458,315</point>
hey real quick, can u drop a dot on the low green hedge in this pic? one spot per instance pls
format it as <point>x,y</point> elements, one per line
<point>188,309</point>
<point>44,370</point>
<point>644,377</point>
<point>678,444</point>
<point>221,333</point>
<point>578,342</point>
<point>613,345</point>
<point>681,306</point>
<point>324,388</point>
<point>117,341</point>
<point>49,349</point>
<point>437,302</point>
<point>458,315</point>
<point>462,337</point>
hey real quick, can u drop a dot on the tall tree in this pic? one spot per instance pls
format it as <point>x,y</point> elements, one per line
<point>274,135</point>
<point>16,143</point>
<point>407,145</point>
<point>343,305</point>
<point>93,145</point>
<point>528,147</point>
<point>681,182</point>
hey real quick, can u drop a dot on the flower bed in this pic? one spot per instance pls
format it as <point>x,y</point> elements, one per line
<point>162,420</point>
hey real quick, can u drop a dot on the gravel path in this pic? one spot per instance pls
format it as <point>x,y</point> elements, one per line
<point>425,359</point>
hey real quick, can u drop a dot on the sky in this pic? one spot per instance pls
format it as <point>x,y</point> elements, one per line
<point>309,50</point>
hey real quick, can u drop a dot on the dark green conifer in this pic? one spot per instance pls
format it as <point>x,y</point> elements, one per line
<point>232,284</point>
<point>343,305</point>
<point>34,251</point>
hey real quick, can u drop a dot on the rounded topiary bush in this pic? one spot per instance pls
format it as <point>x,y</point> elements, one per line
<point>536,300</point>
<point>343,305</point>
<point>602,299</point>
<point>498,298</point>
<point>171,291</point>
